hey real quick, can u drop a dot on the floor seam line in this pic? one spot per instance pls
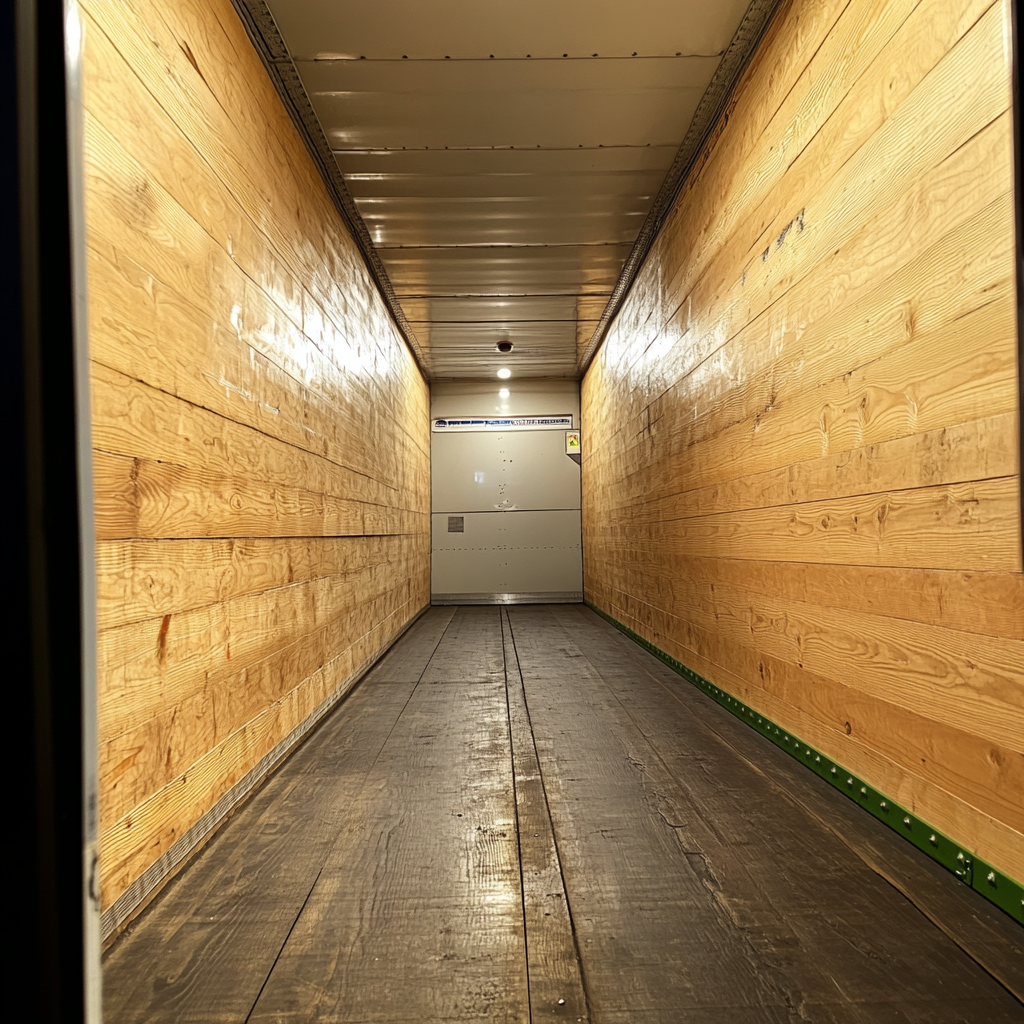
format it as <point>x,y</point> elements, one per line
<point>551,823</point>
<point>646,778</point>
<point>503,618</point>
<point>412,693</point>
<point>266,980</point>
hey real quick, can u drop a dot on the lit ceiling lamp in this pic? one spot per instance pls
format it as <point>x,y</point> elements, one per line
<point>504,373</point>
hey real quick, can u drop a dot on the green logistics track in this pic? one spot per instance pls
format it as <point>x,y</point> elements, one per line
<point>995,886</point>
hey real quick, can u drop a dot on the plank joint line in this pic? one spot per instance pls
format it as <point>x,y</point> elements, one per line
<point>554,966</point>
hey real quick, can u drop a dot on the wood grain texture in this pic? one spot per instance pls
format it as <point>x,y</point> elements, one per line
<point>259,426</point>
<point>803,473</point>
<point>222,924</point>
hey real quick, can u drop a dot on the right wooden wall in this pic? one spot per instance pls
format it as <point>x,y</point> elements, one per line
<point>801,472</point>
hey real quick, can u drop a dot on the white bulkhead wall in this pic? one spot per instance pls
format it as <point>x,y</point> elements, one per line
<point>514,494</point>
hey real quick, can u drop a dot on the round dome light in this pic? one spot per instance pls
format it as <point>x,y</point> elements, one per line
<point>504,373</point>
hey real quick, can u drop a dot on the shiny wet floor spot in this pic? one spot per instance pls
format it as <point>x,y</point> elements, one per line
<point>520,815</point>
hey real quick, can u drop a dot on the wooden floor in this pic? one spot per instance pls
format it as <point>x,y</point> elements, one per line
<point>520,815</point>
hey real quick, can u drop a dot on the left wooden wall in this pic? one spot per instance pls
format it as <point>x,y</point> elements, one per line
<point>260,432</point>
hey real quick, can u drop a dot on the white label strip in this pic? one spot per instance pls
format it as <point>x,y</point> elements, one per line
<point>461,424</point>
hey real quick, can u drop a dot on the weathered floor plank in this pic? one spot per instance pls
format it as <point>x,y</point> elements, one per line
<point>521,806</point>
<point>555,980</point>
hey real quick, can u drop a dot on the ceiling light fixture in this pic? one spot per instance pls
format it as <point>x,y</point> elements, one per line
<point>504,373</point>
<point>503,392</point>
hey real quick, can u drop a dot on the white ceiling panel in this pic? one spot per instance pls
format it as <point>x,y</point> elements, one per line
<point>471,28</point>
<point>491,309</point>
<point>485,162</point>
<point>485,336</point>
<point>540,349</point>
<point>504,157</point>
<point>581,269</point>
<point>526,104</point>
<point>515,220</point>
<point>453,78</point>
<point>625,184</point>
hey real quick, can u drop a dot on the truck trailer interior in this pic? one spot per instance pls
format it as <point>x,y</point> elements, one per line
<point>516,511</point>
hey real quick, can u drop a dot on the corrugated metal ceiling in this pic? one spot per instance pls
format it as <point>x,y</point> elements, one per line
<point>504,157</point>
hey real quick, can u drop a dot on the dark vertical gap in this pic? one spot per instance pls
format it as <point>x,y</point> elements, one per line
<point>41,551</point>
<point>551,821</point>
<point>1018,218</point>
<point>502,619</point>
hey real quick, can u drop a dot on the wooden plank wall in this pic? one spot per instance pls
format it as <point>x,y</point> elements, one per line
<point>801,471</point>
<point>260,429</point>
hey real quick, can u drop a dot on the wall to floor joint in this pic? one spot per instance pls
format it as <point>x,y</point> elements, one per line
<point>802,476</point>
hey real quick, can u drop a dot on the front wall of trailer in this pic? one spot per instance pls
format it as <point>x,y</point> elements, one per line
<point>801,477</point>
<point>260,432</point>
<point>505,504</point>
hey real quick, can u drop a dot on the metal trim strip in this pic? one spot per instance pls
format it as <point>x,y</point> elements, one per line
<point>536,597</point>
